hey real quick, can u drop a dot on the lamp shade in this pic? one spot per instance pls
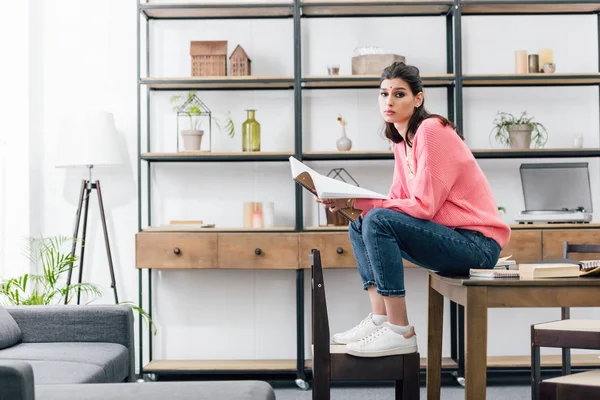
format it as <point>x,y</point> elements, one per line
<point>88,138</point>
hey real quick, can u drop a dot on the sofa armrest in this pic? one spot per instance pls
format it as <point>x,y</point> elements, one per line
<point>74,323</point>
<point>16,381</point>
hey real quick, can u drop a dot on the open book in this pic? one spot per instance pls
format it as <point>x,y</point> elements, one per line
<point>328,188</point>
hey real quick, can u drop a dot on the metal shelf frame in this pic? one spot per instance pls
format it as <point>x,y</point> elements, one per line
<point>453,12</point>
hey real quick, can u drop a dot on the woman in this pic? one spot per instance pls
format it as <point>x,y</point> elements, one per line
<point>441,215</point>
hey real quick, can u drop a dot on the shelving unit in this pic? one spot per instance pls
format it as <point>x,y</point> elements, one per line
<point>453,80</point>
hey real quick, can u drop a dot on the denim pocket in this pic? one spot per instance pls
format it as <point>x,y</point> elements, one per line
<point>489,248</point>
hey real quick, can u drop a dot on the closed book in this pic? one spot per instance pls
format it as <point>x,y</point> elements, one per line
<point>548,270</point>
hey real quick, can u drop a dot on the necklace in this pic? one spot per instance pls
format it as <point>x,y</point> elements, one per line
<point>411,173</point>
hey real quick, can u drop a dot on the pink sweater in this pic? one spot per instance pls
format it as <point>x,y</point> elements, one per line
<point>448,188</point>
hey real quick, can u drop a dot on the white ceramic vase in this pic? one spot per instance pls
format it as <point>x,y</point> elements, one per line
<point>344,143</point>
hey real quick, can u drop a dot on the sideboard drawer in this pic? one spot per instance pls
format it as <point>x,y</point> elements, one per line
<point>524,246</point>
<point>258,250</point>
<point>176,250</point>
<point>335,248</point>
<point>554,242</point>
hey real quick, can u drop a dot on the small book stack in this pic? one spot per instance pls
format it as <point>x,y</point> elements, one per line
<point>562,268</point>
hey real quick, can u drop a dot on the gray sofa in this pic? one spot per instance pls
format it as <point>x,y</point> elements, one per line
<point>70,344</point>
<point>87,353</point>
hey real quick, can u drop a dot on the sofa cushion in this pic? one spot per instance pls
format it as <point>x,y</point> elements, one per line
<point>230,390</point>
<point>10,334</point>
<point>65,372</point>
<point>111,358</point>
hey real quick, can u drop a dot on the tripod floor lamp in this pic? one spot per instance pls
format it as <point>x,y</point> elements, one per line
<point>87,140</point>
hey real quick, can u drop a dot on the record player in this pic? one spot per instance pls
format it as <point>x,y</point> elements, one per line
<point>555,193</point>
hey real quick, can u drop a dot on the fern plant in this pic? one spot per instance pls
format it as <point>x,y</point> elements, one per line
<point>504,121</point>
<point>48,286</point>
<point>191,106</point>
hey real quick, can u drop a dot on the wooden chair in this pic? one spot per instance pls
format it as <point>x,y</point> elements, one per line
<point>330,362</point>
<point>565,334</point>
<point>581,386</point>
<point>568,249</point>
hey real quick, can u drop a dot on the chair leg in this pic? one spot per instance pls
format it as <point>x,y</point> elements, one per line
<point>399,390</point>
<point>535,369</point>
<point>321,389</point>
<point>409,387</point>
<point>566,353</point>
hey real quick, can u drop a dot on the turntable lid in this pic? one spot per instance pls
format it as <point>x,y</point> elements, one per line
<point>556,186</point>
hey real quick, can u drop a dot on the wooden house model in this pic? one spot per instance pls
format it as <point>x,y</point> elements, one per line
<point>209,58</point>
<point>239,62</point>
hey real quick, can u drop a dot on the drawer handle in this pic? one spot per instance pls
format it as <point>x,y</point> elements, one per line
<point>340,250</point>
<point>176,250</point>
<point>257,251</point>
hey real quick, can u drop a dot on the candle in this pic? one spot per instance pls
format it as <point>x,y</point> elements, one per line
<point>257,219</point>
<point>546,57</point>
<point>521,62</point>
<point>534,64</point>
<point>248,211</point>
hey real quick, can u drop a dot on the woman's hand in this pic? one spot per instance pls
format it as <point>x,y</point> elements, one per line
<point>333,204</point>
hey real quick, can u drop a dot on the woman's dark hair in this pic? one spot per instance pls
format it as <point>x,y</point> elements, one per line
<point>410,74</point>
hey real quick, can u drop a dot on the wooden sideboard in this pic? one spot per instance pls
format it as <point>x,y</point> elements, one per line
<point>187,248</point>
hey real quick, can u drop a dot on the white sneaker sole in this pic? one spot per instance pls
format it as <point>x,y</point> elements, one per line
<point>383,353</point>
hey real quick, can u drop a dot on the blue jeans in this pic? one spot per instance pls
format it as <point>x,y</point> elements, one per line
<point>384,237</point>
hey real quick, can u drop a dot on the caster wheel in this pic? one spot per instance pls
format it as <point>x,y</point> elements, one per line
<point>302,384</point>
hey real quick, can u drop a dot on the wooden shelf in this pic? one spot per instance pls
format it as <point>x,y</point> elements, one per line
<point>220,82</point>
<point>191,156</point>
<point>343,228</point>
<point>491,7</point>
<point>478,153</point>
<point>579,360</point>
<point>216,366</point>
<point>220,366</point>
<point>533,79</point>
<point>589,225</point>
<point>340,8</point>
<point>217,10</point>
<point>366,81</point>
<point>191,228</point>
<point>536,153</point>
<point>347,155</point>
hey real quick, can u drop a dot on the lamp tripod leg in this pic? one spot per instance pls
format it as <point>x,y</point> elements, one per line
<point>88,191</point>
<point>75,234</point>
<point>110,263</point>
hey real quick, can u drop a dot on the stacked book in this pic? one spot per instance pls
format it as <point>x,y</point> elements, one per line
<point>560,268</point>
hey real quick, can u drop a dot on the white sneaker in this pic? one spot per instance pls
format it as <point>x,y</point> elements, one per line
<point>363,329</point>
<point>384,342</point>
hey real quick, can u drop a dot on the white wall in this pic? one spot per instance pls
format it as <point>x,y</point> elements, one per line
<point>86,54</point>
<point>15,140</point>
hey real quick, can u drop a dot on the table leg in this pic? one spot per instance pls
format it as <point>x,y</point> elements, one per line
<point>476,320</point>
<point>435,322</point>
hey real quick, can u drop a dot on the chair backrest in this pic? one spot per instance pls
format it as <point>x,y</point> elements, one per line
<point>320,318</point>
<point>588,249</point>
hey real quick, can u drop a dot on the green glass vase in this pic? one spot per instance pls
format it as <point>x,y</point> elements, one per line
<point>251,133</point>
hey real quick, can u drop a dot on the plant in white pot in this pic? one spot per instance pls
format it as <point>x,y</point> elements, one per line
<point>194,111</point>
<point>518,132</point>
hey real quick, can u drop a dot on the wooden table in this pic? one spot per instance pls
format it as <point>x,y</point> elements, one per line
<point>477,295</point>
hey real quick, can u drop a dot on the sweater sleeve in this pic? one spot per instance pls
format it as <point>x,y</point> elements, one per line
<point>437,170</point>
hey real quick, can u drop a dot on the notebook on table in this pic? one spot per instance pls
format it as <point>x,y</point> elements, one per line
<point>494,273</point>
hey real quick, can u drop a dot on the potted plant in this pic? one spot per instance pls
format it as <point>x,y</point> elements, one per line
<point>518,132</point>
<point>48,285</point>
<point>194,110</point>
